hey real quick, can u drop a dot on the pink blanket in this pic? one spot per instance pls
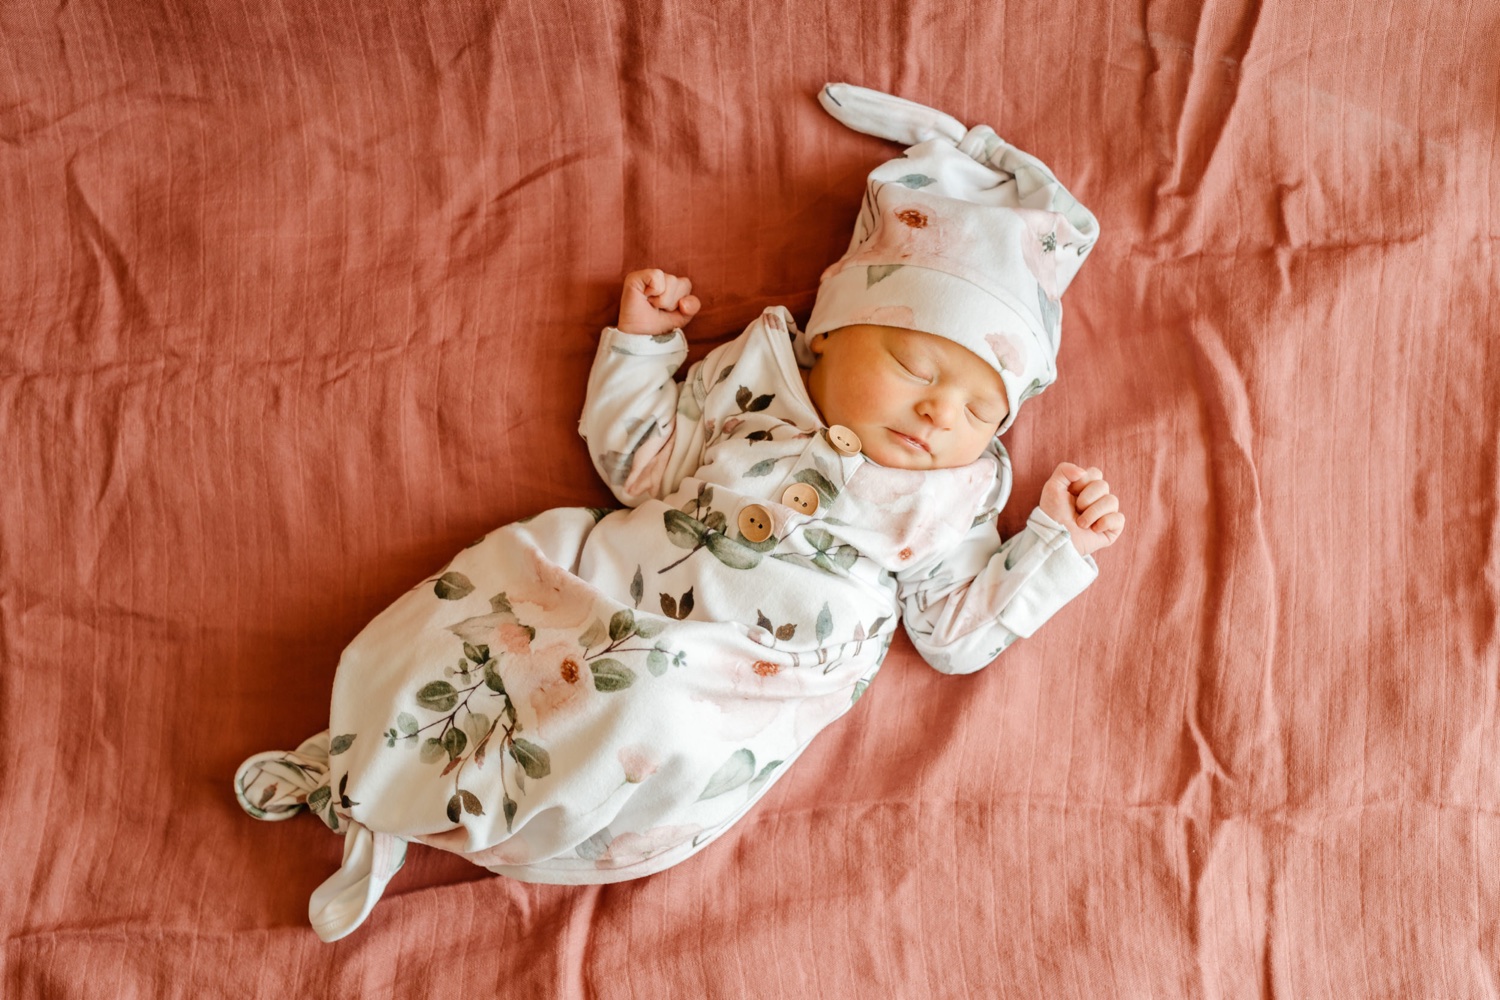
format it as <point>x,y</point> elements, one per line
<point>296,299</point>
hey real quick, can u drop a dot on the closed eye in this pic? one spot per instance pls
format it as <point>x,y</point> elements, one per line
<point>924,379</point>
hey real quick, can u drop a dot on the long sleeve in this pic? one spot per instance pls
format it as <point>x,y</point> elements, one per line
<point>644,429</point>
<point>964,609</point>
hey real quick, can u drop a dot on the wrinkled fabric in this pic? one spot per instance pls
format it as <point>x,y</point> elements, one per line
<point>298,299</point>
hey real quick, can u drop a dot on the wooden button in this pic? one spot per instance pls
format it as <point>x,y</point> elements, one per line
<point>800,496</point>
<point>846,441</point>
<point>755,523</point>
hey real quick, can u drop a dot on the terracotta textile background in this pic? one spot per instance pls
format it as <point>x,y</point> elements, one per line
<point>298,296</point>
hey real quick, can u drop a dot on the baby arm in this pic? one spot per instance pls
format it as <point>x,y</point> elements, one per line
<point>643,429</point>
<point>967,608</point>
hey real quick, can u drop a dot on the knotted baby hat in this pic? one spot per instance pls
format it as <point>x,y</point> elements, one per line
<point>963,236</point>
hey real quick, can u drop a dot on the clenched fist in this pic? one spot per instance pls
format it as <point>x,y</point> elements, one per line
<point>656,302</point>
<point>1079,499</point>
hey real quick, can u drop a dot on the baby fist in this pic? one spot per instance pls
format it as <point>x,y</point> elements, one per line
<point>654,302</point>
<point>1079,499</point>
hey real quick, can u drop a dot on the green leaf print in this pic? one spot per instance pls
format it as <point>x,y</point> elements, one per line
<point>734,772</point>
<point>732,553</point>
<point>649,629</point>
<point>656,662</point>
<point>339,744</point>
<point>915,181</point>
<point>453,587</point>
<point>880,272</point>
<point>683,531</point>
<point>492,678</point>
<point>825,623</point>
<point>761,468</point>
<point>319,798</point>
<point>535,761</point>
<point>438,696</point>
<point>509,805</point>
<point>819,539</point>
<point>764,775</point>
<point>454,742</point>
<point>593,635</point>
<point>622,625</point>
<point>432,751</point>
<point>812,477</point>
<point>611,675</point>
<point>637,587</point>
<point>407,723</point>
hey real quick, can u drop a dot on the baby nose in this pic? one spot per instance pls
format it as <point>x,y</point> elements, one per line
<point>938,410</point>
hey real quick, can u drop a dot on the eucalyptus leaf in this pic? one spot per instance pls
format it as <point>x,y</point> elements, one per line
<point>649,628</point>
<point>621,625</point>
<point>819,539</point>
<point>593,635</point>
<point>761,468</point>
<point>825,623</point>
<point>454,741</point>
<point>478,726</point>
<point>339,744</point>
<point>319,798</point>
<point>535,761</point>
<point>611,675</point>
<point>731,553</point>
<point>471,803</point>
<point>432,751</point>
<point>656,662</point>
<point>637,587</point>
<point>683,531</point>
<point>438,696</point>
<point>453,587</point>
<point>819,482</point>
<point>492,679</point>
<point>764,775</point>
<point>734,772</point>
<point>509,805</point>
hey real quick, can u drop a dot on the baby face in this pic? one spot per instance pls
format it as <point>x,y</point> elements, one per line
<point>916,400</point>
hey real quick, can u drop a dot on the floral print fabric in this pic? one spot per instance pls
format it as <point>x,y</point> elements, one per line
<point>593,695</point>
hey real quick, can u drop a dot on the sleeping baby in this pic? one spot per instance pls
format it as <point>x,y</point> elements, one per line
<point>589,695</point>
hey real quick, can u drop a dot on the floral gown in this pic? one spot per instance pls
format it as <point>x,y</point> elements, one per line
<point>591,696</point>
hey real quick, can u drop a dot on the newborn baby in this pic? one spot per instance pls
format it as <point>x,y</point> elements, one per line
<point>592,695</point>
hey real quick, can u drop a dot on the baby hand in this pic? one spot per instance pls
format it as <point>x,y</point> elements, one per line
<point>1080,500</point>
<point>655,302</point>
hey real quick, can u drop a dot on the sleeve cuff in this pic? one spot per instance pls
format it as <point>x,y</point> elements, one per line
<point>1059,575</point>
<point>643,344</point>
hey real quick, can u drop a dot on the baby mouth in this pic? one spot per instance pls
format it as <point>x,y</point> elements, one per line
<point>916,444</point>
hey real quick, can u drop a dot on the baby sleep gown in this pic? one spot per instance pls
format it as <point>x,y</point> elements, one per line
<point>590,696</point>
